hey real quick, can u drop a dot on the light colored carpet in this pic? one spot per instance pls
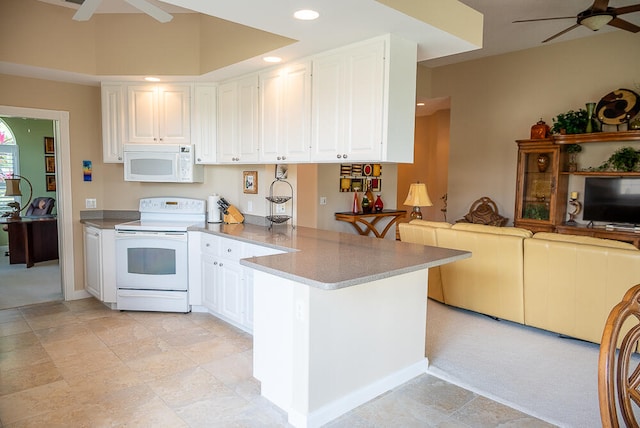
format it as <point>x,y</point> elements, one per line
<point>534,371</point>
<point>20,286</point>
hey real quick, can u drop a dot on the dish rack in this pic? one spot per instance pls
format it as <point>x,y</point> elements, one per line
<point>276,201</point>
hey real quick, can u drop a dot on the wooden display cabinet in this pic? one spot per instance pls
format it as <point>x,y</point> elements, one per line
<point>541,191</point>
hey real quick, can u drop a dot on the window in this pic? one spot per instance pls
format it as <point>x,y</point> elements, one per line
<point>8,163</point>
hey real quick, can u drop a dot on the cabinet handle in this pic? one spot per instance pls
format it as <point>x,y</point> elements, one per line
<point>199,160</point>
<point>344,156</point>
<point>119,157</point>
<point>220,264</point>
<point>279,158</point>
<point>215,263</point>
<point>228,250</point>
<point>339,156</point>
<point>207,245</point>
<point>284,157</point>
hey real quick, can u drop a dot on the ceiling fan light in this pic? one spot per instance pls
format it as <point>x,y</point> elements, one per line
<point>596,22</point>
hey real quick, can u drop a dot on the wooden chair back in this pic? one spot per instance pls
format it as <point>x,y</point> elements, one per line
<point>618,375</point>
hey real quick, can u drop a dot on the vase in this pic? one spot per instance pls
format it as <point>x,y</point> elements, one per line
<point>378,205</point>
<point>543,162</point>
<point>366,206</point>
<point>355,208</point>
<point>590,108</point>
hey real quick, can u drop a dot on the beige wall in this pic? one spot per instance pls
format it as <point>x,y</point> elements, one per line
<point>494,101</point>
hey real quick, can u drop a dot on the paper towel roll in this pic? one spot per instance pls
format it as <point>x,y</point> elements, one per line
<point>213,210</point>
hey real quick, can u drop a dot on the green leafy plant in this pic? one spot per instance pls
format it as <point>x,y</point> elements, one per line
<point>574,148</point>
<point>536,212</point>
<point>571,122</point>
<point>624,159</point>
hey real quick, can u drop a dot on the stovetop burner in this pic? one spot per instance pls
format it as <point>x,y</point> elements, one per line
<point>167,214</point>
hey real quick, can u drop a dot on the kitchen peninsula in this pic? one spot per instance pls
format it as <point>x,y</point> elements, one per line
<point>338,318</point>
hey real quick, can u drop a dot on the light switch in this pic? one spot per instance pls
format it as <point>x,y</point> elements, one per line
<point>90,203</point>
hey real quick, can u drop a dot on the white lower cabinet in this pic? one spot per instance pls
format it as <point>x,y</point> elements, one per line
<point>226,286</point>
<point>100,263</point>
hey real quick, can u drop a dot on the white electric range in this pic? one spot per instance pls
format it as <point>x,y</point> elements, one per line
<point>152,255</point>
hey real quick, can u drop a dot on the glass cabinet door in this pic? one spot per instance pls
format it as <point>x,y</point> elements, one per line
<point>538,185</point>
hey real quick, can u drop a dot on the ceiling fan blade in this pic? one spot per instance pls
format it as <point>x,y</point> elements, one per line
<point>599,6</point>
<point>151,10</point>
<point>627,9</point>
<point>544,19</point>
<point>624,25</point>
<point>561,33</point>
<point>85,11</point>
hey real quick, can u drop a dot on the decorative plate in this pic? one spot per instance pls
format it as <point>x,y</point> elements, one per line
<point>618,107</point>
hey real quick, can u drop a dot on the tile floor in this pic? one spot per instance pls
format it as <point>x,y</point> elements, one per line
<point>79,364</point>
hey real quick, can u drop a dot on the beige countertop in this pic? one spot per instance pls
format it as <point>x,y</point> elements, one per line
<point>321,258</point>
<point>332,260</point>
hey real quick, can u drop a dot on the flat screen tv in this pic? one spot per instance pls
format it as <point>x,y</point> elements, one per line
<point>612,200</point>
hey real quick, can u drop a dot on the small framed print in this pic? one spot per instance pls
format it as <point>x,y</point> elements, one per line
<point>51,183</point>
<point>50,164</point>
<point>250,181</point>
<point>376,184</point>
<point>49,146</point>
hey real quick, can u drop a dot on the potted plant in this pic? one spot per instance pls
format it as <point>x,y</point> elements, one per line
<point>573,150</point>
<point>571,122</point>
<point>624,159</point>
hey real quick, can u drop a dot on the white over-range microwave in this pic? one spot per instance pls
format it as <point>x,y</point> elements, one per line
<point>162,163</point>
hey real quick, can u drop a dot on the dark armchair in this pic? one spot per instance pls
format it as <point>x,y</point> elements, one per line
<point>40,206</point>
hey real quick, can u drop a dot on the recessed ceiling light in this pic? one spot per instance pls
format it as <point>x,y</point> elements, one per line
<point>151,79</point>
<point>273,59</point>
<point>306,15</point>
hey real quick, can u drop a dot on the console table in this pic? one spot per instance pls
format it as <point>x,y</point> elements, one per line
<point>32,239</point>
<point>600,232</point>
<point>364,226</point>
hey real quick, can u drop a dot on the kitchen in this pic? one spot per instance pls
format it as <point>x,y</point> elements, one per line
<point>107,188</point>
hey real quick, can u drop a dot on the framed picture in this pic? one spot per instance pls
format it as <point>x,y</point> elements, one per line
<point>250,181</point>
<point>51,183</point>
<point>50,164</point>
<point>49,146</point>
<point>376,184</point>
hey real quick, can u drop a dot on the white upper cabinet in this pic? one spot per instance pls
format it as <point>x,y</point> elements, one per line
<point>237,125</point>
<point>285,113</point>
<point>113,122</point>
<point>159,114</point>
<point>363,102</point>
<point>204,130</point>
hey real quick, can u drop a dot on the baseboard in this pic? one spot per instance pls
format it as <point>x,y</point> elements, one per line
<point>357,398</point>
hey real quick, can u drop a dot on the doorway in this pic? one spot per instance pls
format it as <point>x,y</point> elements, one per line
<point>60,120</point>
<point>29,152</point>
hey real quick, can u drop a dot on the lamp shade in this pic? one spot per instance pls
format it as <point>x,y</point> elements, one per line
<point>418,196</point>
<point>13,187</point>
<point>596,22</point>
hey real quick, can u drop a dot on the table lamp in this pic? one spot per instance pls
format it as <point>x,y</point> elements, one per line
<point>418,197</point>
<point>13,189</point>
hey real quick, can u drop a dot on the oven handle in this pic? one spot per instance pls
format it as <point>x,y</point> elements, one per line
<point>126,234</point>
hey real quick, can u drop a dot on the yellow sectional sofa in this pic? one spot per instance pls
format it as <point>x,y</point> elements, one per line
<point>561,283</point>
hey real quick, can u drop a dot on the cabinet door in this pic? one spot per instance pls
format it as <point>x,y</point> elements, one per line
<point>247,135</point>
<point>210,282</point>
<point>113,122</point>
<point>364,101</point>
<point>238,121</point>
<point>92,262</point>
<point>142,105</point>
<point>232,302</point>
<point>327,109</point>
<point>174,114</point>
<point>285,114</point>
<point>540,189</point>
<point>204,123</point>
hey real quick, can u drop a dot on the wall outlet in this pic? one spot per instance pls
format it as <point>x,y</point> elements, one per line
<point>90,203</point>
<point>323,200</point>
<point>281,209</point>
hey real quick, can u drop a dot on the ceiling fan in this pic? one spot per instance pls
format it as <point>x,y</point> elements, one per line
<point>597,16</point>
<point>88,7</point>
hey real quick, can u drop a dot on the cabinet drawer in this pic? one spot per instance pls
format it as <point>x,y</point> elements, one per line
<point>231,249</point>
<point>210,244</point>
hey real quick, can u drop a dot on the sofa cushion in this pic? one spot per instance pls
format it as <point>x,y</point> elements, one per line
<point>427,223</point>
<point>510,231</point>
<point>586,240</point>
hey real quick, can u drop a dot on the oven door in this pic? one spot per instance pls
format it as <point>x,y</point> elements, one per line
<point>151,260</point>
